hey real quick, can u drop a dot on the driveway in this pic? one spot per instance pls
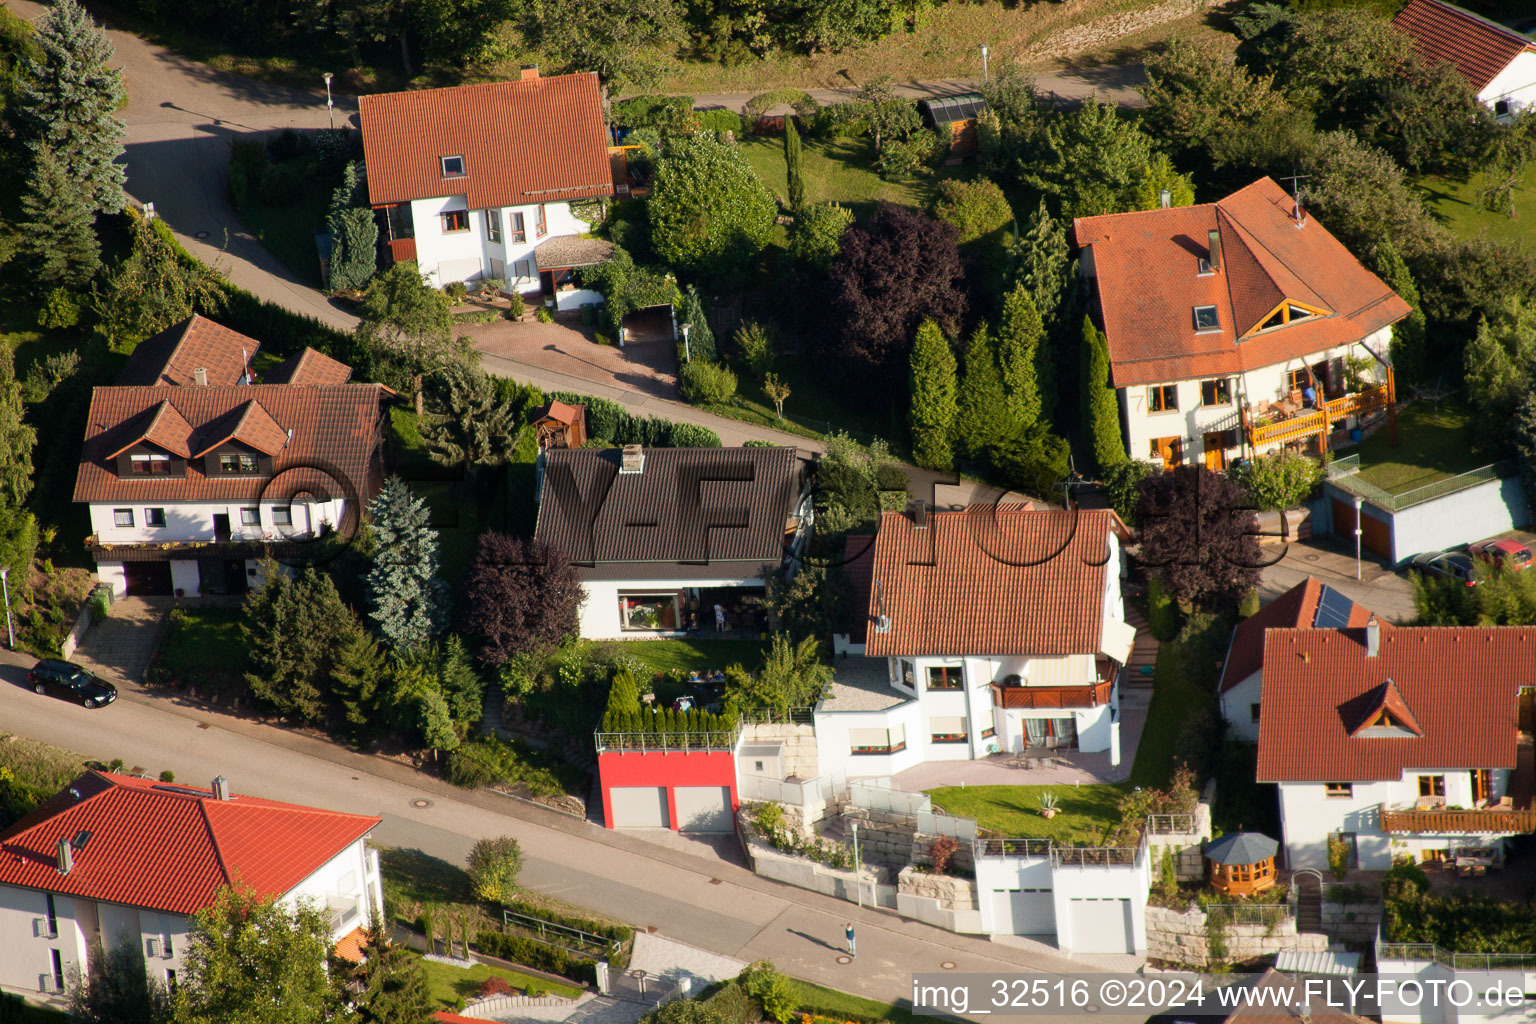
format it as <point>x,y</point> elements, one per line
<point>1328,558</point>
<point>118,647</point>
<point>648,368</point>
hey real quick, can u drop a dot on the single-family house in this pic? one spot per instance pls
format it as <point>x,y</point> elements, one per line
<point>192,472</point>
<point>670,541</point>
<point>118,858</point>
<point>477,181</point>
<point>1236,327</point>
<point>1409,741</point>
<point>1498,63</point>
<point>1308,605</point>
<point>994,627</point>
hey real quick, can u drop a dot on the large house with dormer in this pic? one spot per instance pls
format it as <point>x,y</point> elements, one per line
<point>1402,742</point>
<point>119,859</point>
<point>193,469</point>
<point>990,628</point>
<point>477,181</point>
<point>1236,327</point>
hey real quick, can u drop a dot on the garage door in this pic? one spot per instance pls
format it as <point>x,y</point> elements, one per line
<point>704,809</point>
<point>1375,534</point>
<point>1101,926</point>
<point>1023,912</point>
<point>148,579</point>
<point>639,806</point>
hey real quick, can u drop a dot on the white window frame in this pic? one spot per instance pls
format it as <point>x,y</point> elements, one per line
<point>462,172</point>
<point>118,515</point>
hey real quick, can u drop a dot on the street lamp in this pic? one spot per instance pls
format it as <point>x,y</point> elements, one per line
<point>858,887</point>
<point>5,587</point>
<point>983,62</point>
<point>687,354</point>
<point>1359,503</point>
<point>330,104</point>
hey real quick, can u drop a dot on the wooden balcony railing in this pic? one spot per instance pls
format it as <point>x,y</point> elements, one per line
<point>1086,696</point>
<point>1315,421</point>
<point>402,249</point>
<point>1481,821</point>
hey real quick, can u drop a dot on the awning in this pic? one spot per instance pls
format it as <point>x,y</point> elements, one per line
<point>1117,641</point>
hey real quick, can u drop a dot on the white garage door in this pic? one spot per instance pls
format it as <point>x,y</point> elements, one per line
<point>1023,912</point>
<point>639,806</point>
<point>704,809</point>
<point>1101,926</point>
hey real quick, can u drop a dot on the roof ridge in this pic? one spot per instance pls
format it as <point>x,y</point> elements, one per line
<point>1487,22</point>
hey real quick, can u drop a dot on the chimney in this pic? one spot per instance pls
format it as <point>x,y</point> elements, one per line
<point>66,857</point>
<point>530,71</point>
<point>632,459</point>
<point>221,788</point>
<point>1372,638</point>
<point>919,512</point>
<point>1214,259</point>
<point>1166,198</point>
<point>200,377</point>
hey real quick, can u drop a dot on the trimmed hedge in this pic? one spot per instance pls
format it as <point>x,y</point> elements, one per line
<point>611,422</point>
<point>541,956</point>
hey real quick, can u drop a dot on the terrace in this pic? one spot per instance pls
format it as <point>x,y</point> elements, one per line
<point>1012,692</point>
<point>1512,814</point>
<point>1289,420</point>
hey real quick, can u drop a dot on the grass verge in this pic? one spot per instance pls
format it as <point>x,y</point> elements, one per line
<point>1434,446</point>
<point>449,984</point>
<point>1084,814</point>
<point>829,1002</point>
<point>203,646</point>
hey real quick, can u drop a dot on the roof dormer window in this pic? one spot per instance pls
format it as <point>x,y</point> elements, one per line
<point>1206,319</point>
<point>1203,267</point>
<point>453,167</point>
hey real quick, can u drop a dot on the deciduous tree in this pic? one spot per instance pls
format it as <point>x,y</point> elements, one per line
<point>520,595</point>
<point>117,989</point>
<point>710,213</point>
<point>933,398</point>
<point>625,44</point>
<point>1196,536</point>
<point>793,676</point>
<point>816,236</point>
<point>407,320</point>
<point>814,602</point>
<point>895,270</point>
<point>493,868</point>
<point>976,208</point>
<point>156,286</point>
<point>66,101</point>
<point>409,603</point>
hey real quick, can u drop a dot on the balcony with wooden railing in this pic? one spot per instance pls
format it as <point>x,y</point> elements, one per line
<point>1280,424</point>
<point>1006,694</point>
<point>1486,821</point>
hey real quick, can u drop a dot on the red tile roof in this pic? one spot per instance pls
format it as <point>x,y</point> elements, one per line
<point>335,435</point>
<point>1294,609</point>
<point>170,847</point>
<point>171,356</point>
<point>1478,48</point>
<point>1148,286</point>
<point>1459,684</point>
<point>531,141</point>
<point>859,564</point>
<point>308,367</point>
<point>1384,707</point>
<point>990,579</point>
<point>350,946</point>
<point>559,412</point>
<point>162,426</point>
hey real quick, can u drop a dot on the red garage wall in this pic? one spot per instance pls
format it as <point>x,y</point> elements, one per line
<point>670,769</point>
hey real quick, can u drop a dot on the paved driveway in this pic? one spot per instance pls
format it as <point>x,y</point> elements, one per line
<point>118,647</point>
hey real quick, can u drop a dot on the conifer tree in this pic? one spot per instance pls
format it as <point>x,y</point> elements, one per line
<point>461,684</point>
<point>359,674</point>
<point>982,401</point>
<point>1043,254</point>
<point>17,436</point>
<point>933,398</point>
<point>1101,409</point>
<point>409,603</point>
<point>393,985</point>
<point>466,425</point>
<point>701,340</point>
<point>66,98</point>
<point>794,165</point>
<point>57,229</point>
<point>1020,339</point>
<point>354,233</point>
<point>293,628</point>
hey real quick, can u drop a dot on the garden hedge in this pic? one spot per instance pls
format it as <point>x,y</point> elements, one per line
<point>541,956</point>
<point>611,422</point>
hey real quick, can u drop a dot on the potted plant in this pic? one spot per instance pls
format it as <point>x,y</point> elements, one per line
<point>1048,804</point>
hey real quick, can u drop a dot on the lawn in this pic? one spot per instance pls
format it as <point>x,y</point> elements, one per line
<point>1084,814</point>
<point>841,170</point>
<point>689,655</point>
<point>1457,205</point>
<point>288,230</point>
<point>448,983</point>
<point>38,765</point>
<point>411,876</point>
<point>1434,446</point>
<point>203,647</point>
<point>828,1002</point>
<point>1183,691</point>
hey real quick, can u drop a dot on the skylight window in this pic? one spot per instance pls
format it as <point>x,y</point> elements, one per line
<point>453,167</point>
<point>1206,319</point>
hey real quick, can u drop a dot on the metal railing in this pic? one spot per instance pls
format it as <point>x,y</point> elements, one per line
<point>773,716</point>
<point>664,742</point>
<point>1345,466</point>
<point>1094,856</point>
<point>1429,492</point>
<point>1428,951</point>
<point>1170,824</point>
<point>1266,914</point>
<point>576,940</point>
<point>1027,846</point>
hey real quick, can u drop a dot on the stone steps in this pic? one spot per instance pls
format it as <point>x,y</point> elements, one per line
<point>1138,670</point>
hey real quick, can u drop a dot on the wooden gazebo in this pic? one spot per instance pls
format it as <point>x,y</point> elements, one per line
<point>559,425</point>
<point>1242,863</point>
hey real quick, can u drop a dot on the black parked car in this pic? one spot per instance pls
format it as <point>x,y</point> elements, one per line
<point>1450,564</point>
<point>67,679</point>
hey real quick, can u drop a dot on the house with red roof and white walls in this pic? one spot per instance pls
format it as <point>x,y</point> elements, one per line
<point>477,181</point>
<point>1236,327</point>
<point>985,629</point>
<point>1399,742</point>
<point>1310,604</point>
<point>193,469</point>
<point>1498,63</point>
<point>119,858</point>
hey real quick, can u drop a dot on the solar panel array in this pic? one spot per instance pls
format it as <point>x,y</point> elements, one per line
<point>1333,610</point>
<point>947,109</point>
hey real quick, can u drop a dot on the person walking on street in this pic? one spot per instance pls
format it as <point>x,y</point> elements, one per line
<point>853,950</point>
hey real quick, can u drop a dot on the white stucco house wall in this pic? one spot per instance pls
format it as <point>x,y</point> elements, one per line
<point>662,536</point>
<point>1084,903</point>
<point>477,181</point>
<point>986,629</point>
<point>1397,741</point>
<point>1498,63</point>
<point>192,470</point>
<point>118,858</point>
<point>1308,604</point>
<point>1219,318</point>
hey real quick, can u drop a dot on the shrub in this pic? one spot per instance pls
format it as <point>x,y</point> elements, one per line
<point>493,866</point>
<point>543,315</point>
<point>517,308</point>
<point>60,309</point>
<point>495,985</point>
<point>755,343</point>
<point>248,166</point>
<point>940,851</point>
<point>719,121</point>
<point>771,989</point>
<point>167,776</point>
<point>705,383</point>
<point>735,1006</point>
<point>1338,855</point>
<point>975,208</point>
<point>456,290</point>
<point>490,286</point>
<point>1162,612</point>
<point>610,421</point>
<point>541,956</point>
<point>1279,480</point>
<point>283,184</point>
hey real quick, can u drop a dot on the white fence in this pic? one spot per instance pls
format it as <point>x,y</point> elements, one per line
<point>871,797</point>
<point>937,824</point>
<point>823,788</point>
